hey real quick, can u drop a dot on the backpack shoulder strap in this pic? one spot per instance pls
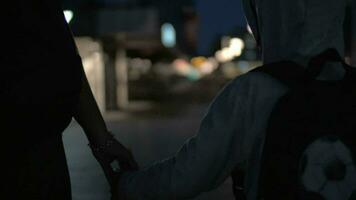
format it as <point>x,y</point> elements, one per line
<point>287,72</point>
<point>292,74</point>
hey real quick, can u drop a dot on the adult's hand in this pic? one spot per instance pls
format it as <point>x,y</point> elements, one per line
<point>110,151</point>
<point>105,147</point>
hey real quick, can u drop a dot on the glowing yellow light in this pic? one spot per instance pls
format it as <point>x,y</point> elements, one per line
<point>198,61</point>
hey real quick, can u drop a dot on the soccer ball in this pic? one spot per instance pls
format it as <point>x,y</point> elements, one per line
<point>328,170</point>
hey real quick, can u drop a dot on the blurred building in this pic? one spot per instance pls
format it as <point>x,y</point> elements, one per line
<point>118,29</point>
<point>175,41</point>
<point>136,18</point>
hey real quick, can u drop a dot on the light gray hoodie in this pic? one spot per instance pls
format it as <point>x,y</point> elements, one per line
<point>233,130</point>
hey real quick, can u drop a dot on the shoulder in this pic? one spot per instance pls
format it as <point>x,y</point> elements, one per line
<point>256,83</point>
<point>248,92</point>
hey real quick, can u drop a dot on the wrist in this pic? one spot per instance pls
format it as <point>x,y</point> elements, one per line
<point>103,144</point>
<point>98,137</point>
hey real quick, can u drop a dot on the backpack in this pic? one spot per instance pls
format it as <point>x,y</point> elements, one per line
<point>310,146</point>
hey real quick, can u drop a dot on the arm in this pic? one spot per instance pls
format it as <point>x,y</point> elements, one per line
<point>205,160</point>
<point>106,148</point>
<point>89,117</point>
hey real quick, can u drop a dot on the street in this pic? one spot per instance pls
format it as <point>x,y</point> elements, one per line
<point>151,137</point>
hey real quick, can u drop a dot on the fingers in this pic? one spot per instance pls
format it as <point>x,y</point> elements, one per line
<point>134,165</point>
<point>116,194</point>
<point>132,162</point>
<point>108,171</point>
<point>128,166</point>
<point>124,156</point>
<point>128,163</point>
<point>105,163</point>
<point>114,150</point>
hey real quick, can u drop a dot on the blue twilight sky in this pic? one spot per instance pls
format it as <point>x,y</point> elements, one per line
<point>217,17</point>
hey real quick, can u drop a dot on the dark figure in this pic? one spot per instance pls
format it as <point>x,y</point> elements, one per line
<point>233,132</point>
<point>42,86</point>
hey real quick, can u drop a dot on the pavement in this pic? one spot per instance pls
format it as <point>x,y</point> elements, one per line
<point>152,136</point>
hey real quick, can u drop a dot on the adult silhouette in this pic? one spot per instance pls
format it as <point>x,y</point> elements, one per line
<point>42,87</point>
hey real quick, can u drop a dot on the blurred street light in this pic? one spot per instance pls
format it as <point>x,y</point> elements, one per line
<point>231,49</point>
<point>68,14</point>
<point>168,34</point>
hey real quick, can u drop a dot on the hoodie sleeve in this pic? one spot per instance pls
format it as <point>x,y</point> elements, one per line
<point>206,159</point>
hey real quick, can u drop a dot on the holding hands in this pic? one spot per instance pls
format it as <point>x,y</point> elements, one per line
<point>107,153</point>
<point>105,147</point>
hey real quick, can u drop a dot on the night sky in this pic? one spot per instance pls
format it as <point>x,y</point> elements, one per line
<point>217,18</point>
